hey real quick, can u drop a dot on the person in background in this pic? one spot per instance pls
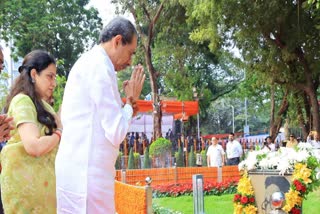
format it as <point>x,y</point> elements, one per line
<point>313,139</point>
<point>292,142</point>
<point>27,177</point>
<point>234,151</point>
<point>92,106</point>
<point>215,154</point>
<point>268,145</point>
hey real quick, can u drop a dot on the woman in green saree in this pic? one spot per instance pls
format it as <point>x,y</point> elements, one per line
<point>27,177</point>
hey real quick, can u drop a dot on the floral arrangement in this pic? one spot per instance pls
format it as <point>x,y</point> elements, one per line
<point>209,188</point>
<point>283,160</point>
<point>244,200</point>
<point>302,161</point>
<point>304,180</point>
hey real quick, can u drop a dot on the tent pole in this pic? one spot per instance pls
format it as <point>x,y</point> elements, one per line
<point>198,125</point>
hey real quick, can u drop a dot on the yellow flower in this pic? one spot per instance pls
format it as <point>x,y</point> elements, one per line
<point>237,208</point>
<point>302,172</point>
<point>244,185</point>
<point>292,199</point>
<point>250,209</point>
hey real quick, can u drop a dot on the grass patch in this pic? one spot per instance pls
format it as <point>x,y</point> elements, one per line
<point>184,204</point>
<point>223,204</point>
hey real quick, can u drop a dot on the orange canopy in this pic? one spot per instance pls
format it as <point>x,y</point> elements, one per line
<point>180,109</point>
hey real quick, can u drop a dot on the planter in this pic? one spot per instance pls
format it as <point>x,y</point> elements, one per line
<point>266,182</point>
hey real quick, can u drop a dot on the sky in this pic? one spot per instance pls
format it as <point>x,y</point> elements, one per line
<point>106,10</point>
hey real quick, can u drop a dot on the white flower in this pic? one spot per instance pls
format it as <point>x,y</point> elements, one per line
<point>283,160</point>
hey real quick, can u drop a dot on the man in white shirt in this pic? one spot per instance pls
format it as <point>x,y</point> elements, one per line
<point>215,154</point>
<point>95,122</point>
<point>234,151</point>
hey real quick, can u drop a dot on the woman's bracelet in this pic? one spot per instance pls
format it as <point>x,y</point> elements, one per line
<point>59,129</point>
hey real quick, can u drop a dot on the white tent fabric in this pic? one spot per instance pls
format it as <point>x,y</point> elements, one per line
<point>144,123</point>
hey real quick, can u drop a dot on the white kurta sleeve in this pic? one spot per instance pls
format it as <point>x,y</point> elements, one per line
<point>114,119</point>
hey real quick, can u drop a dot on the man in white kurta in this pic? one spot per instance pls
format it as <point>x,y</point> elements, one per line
<point>215,154</point>
<point>95,122</point>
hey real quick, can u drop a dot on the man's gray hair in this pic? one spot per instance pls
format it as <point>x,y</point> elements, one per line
<point>1,48</point>
<point>118,26</point>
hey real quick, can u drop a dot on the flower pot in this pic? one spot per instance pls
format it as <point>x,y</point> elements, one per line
<point>266,182</point>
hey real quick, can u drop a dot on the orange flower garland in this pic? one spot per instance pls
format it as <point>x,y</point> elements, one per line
<point>130,199</point>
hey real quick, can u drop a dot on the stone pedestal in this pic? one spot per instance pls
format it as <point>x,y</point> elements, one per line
<point>264,184</point>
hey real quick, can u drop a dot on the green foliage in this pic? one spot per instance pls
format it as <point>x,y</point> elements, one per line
<point>136,157</point>
<point>58,92</point>
<point>179,157</point>
<point>146,161</point>
<point>131,160</point>
<point>64,28</point>
<point>3,89</point>
<point>191,158</point>
<point>313,164</point>
<point>159,147</point>
<point>118,161</point>
<point>247,35</point>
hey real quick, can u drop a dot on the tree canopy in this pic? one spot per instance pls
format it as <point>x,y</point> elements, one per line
<point>64,28</point>
<point>277,40</point>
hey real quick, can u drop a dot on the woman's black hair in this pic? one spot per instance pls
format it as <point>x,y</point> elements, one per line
<point>38,60</point>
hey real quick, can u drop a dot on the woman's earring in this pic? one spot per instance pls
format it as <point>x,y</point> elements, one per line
<point>32,80</point>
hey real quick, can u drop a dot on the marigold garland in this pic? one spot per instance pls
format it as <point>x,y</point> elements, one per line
<point>130,199</point>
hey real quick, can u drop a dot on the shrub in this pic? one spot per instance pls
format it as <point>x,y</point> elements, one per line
<point>136,157</point>
<point>131,160</point>
<point>179,158</point>
<point>204,158</point>
<point>146,161</point>
<point>192,158</point>
<point>118,161</point>
<point>160,146</point>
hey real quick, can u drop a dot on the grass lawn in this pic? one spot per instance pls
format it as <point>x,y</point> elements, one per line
<point>223,204</point>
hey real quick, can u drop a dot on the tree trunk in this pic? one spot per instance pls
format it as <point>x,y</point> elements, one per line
<point>147,40</point>
<point>272,111</point>
<point>310,85</point>
<point>301,119</point>
<point>310,89</point>
<point>275,126</point>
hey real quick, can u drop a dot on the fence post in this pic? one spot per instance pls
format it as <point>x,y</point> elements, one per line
<point>175,171</point>
<point>123,175</point>
<point>198,201</point>
<point>149,195</point>
<point>219,171</point>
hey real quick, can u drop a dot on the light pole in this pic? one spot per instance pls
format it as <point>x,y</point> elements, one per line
<point>195,96</point>
<point>232,118</point>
